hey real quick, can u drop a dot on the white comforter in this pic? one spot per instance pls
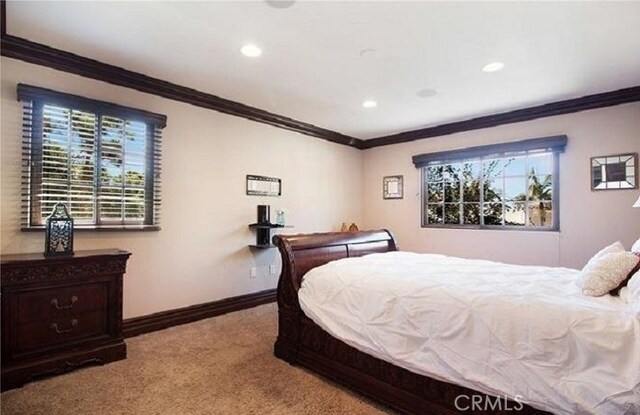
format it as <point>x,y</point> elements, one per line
<point>519,331</point>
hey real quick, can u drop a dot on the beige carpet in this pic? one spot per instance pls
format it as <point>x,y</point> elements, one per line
<point>222,365</point>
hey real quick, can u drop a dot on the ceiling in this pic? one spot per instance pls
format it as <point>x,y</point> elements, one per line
<point>321,60</point>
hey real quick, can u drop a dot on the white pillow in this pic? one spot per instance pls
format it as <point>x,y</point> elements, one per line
<point>614,247</point>
<point>636,247</point>
<point>604,272</point>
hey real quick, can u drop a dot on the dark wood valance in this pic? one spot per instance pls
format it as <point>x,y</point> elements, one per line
<point>555,143</point>
<point>48,96</point>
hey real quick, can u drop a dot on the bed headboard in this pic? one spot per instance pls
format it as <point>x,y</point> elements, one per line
<point>302,252</point>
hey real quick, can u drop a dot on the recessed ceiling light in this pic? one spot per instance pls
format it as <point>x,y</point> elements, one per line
<point>369,104</point>
<point>367,53</point>
<point>251,51</point>
<point>427,93</point>
<point>493,67</point>
<point>280,4</point>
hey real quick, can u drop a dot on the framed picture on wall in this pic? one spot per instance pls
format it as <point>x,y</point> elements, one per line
<point>392,187</point>
<point>263,185</point>
<point>617,172</point>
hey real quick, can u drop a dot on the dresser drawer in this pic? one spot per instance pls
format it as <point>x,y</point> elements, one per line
<point>51,332</point>
<point>57,302</point>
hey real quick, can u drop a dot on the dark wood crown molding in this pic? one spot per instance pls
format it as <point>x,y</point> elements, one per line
<point>39,54</point>
<point>606,99</point>
<point>3,18</point>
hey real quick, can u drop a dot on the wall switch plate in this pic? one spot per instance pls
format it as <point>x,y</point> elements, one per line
<point>254,272</point>
<point>272,269</point>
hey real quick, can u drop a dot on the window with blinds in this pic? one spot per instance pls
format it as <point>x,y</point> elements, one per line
<point>102,160</point>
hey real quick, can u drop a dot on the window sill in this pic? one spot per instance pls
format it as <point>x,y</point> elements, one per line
<point>104,228</point>
<point>492,228</point>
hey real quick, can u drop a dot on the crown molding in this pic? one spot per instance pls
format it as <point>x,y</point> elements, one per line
<point>606,99</point>
<point>3,18</point>
<point>39,54</point>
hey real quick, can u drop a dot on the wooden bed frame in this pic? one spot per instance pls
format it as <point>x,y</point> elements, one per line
<point>300,341</point>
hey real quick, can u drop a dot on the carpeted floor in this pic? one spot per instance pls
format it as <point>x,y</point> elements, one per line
<point>222,365</point>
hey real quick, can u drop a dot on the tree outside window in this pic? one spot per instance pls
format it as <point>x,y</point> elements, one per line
<point>514,190</point>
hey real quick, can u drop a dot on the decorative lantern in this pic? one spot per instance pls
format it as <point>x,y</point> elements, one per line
<point>59,232</point>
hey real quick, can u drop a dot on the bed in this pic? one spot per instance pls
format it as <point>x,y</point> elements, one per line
<point>310,336</point>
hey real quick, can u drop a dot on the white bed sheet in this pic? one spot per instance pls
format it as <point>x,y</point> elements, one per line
<point>519,331</point>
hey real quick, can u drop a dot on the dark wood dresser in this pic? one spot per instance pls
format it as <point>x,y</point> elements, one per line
<point>59,313</point>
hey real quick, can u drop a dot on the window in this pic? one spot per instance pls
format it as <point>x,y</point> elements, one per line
<point>509,186</point>
<point>102,160</point>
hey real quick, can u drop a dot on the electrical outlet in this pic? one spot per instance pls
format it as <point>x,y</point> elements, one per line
<point>272,269</point>
<point>254,272</point>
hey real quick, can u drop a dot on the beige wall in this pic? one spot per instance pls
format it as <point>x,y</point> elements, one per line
<point>201,253</point>
<point>588,220</point>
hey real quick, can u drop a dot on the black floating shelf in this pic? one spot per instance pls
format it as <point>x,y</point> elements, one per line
<point>262,246</point>
<point>268,225</point>
<point>263,234</point>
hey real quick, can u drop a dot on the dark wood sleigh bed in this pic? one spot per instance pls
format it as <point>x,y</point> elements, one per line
<point>300,341</point>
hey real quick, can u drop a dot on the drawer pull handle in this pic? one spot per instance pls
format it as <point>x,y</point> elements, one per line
<point>54,326</point>
<point>54,302</point>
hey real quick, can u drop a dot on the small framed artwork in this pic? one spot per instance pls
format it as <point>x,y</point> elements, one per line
<point>617,172</point>
<point>392,187</point>
<point>263,185</point>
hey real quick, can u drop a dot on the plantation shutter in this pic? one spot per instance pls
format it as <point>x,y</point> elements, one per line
<point>102,160</point>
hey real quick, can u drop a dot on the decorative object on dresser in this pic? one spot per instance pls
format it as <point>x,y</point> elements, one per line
<point>60,312</point>
<point>353,227</point>
<point>392,187</point>
<point>617,172</point>
<point>58,238</point>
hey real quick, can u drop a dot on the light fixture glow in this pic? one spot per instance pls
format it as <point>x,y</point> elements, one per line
<point>427,93</point>
<point>280,4</point>
<point>369,104</point>
<point>637,204</point>
<point>251,51</point>
<point>493,67</point>
<point>367,53</point>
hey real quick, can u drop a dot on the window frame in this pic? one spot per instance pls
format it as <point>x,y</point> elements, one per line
<point>35,99</point>
<point>553,145</point>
